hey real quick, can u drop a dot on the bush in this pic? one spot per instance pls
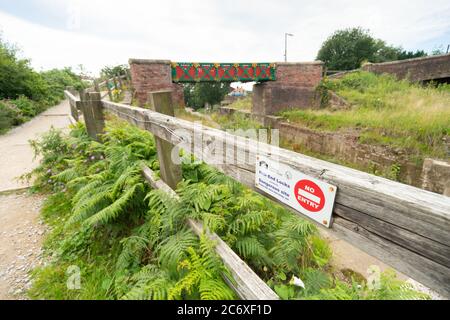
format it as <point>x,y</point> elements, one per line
<point>25,92</point>
<point>57,81</point>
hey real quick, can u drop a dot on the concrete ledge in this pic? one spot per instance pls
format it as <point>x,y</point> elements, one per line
<point>318,62</point>
<point>148,61</point>
<point>436,57</point>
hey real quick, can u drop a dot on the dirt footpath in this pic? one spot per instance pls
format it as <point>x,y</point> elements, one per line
<point>16,156</point>
<point>21,232</point>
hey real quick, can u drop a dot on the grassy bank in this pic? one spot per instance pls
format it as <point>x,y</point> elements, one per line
<point>127,241</point>
<point>387,112</point>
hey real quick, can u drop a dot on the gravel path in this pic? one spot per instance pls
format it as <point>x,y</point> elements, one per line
<point>21,234</point>
<point>21,231</point>
<point>16,156</point>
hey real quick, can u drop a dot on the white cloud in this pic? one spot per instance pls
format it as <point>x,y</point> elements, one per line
<point>205,30</point>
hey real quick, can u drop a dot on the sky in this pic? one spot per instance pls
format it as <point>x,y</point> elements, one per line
<point>95,33</point>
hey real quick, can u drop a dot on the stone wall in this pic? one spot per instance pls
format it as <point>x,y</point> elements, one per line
<point>416,70</point>
<point>153,75</point>
<point>345,147</point>
<point>294,88</point>
<point>436,176</point>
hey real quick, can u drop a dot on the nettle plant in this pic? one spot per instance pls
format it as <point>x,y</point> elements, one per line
<point>131,242</point>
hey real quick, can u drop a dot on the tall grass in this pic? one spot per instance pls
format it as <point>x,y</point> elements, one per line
<point>387,111</point>
<point>242,103</point>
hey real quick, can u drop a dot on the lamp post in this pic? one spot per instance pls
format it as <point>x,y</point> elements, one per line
<point>285,45</point>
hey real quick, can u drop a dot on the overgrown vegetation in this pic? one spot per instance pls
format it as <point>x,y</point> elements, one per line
<point>244,103</point>
<point>199,94</point>
<point>348,49</point>
<point>388,112</point>
<point>130,242</point>
<point>24,92</point>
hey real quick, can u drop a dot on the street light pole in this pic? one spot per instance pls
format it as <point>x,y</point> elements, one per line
<point>285,45</point>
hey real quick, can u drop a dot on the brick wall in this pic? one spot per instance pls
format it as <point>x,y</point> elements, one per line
<point>153,75</point>
<point>419,69</point>
<point>269,99</point>
<point>299,74</point>
<point>294,88</point>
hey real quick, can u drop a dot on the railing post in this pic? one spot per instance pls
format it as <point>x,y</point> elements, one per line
<point>161,101</point>
<point>115,82</point>
<point>72,104</point>
<point>96,86</point>
<point>98,118</point>
<point>91,106</point>
<point>120,81</point>
<point>109,90</point>
<point>87,114</point>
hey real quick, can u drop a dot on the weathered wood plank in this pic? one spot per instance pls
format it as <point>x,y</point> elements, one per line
<point>161,101</point>
<point>96,108</point>
<point>88,116</point>
<point>382,207</point>
<point>246,282</point>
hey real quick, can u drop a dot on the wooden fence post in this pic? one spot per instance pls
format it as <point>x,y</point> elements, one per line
<point>96,86</point>
<point>109,90</point>
<point>98,119</point>
<point>87,114</point>
<point>91,106</point>
<point>115,82</point>
<point>73,106</point>
<point>161,101</point>
<point>120,81</point>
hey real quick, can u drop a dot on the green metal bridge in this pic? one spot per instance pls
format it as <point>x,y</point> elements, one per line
<point>223,72</point>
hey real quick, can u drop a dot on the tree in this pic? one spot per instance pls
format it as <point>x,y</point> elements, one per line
<point>198,94</point>
<point>17,77</point>
<point>347,49</point>
<point>109,72</point>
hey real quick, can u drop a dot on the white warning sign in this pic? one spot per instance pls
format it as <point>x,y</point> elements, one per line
<point>309,196</point>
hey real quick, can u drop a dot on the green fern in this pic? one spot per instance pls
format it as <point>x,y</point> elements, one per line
<point>151,283</point>
<point>118,207</point>
<point>173,249</point>
<point>203,275</point>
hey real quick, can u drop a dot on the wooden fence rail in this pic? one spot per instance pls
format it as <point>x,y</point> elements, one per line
<point>245,282</point>
<point>403,226</point>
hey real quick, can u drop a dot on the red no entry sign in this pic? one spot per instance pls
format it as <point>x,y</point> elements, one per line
<point>309,195</point>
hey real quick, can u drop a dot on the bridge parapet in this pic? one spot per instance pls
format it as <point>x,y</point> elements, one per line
<point>417,69</point>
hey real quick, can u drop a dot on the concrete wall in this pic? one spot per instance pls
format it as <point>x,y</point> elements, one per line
<point>436,176</point>
<point>419,69</point>
<point>294,88</point>
<point>153,75</point>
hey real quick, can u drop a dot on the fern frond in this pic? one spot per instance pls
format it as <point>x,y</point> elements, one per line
<point>151,283</point>
<point>247,222</point>
<point>118,207</point>
<point>132,250</point>
<point>173,249</point>
<point>89,205</point>
<point>250,247</point>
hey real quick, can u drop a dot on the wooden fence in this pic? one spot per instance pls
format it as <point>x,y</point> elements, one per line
<point>403,226</point>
